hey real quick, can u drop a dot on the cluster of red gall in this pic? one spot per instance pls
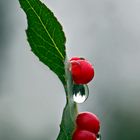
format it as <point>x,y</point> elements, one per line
<point>87,124</point>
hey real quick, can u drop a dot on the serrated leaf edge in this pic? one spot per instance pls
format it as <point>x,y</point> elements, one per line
<point>55,46</point>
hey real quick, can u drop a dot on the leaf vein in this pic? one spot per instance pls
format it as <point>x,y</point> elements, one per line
<point>41,37</point>
<point>55,46</point>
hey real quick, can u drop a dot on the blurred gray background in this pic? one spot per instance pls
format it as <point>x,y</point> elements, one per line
<point>32,98</point>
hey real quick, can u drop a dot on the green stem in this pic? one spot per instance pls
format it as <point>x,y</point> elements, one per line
<point>67,125</point>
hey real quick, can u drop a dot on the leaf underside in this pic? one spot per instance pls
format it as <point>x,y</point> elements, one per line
<point>45,36</point>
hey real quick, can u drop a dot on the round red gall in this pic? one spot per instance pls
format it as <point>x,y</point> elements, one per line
<point>88,121</point>
<point>82,70</point>
<point>83,135</point>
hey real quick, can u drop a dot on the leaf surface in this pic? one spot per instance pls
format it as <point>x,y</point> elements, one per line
<point>45,36</point>
<point>47,41</point>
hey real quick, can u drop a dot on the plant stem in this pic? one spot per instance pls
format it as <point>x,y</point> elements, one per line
<point>70,111</point>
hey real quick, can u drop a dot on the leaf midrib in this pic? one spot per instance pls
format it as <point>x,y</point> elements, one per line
<point>55,46</point>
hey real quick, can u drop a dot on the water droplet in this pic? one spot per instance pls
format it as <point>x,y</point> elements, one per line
<point>80,93</point>
<point>99,137</point>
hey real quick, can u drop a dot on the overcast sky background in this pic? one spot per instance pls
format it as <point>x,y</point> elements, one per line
<point>106,32</point>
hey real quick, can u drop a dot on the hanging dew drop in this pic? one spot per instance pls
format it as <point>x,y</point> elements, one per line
<point>99,137</point>
<point>80,93</point>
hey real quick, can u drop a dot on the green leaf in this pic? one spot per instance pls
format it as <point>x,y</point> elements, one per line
<point>47,40</point>
<point>45,36</point>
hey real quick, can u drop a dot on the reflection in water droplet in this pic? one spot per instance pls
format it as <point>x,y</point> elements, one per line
<point>80,93</point>
<point>79,98</point>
